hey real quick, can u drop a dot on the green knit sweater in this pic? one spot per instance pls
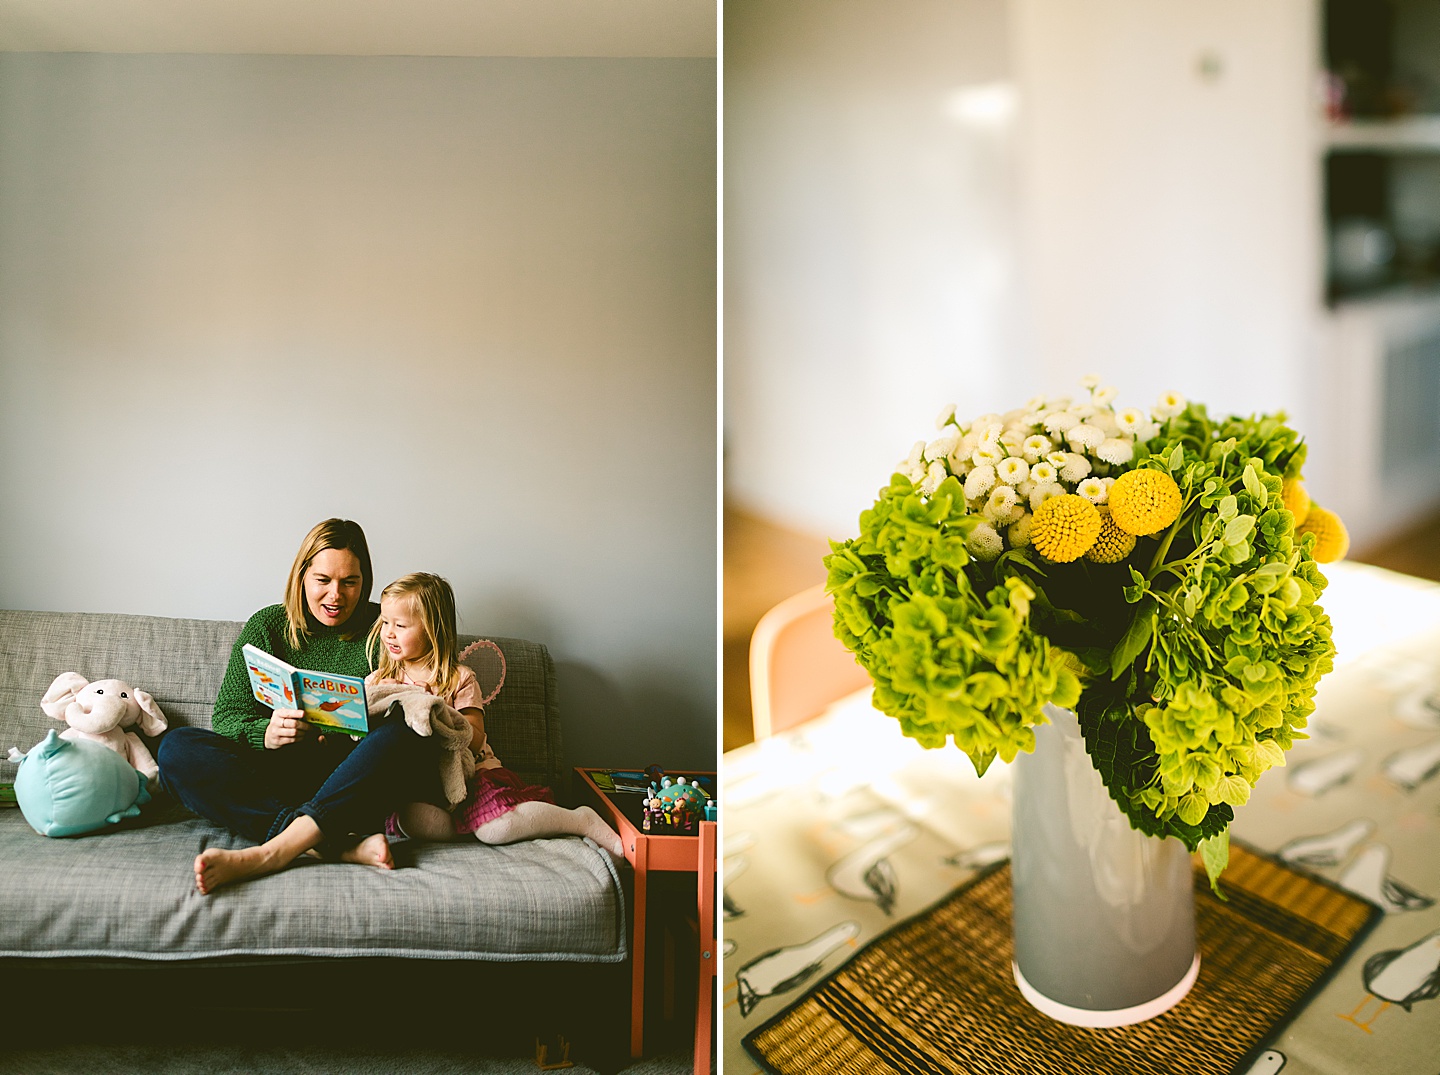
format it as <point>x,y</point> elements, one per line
<point>238,715</point>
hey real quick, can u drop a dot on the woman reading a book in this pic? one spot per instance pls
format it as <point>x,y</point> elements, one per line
<point>269,776</point>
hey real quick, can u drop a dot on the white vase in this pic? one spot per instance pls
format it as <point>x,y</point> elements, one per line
<point>1104,916</point>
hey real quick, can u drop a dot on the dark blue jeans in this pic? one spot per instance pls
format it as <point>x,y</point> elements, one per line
<point>346,788</point>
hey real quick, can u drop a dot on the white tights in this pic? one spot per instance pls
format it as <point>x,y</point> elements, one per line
<point>535,820</point>
<point>527,821</point>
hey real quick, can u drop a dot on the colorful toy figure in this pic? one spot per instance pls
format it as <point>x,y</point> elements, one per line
<point>676,804</point>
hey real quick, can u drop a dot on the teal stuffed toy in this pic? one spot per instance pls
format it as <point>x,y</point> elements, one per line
<point>69,788</point>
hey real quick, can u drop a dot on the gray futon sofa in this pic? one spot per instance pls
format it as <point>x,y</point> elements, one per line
<point>125,897</point>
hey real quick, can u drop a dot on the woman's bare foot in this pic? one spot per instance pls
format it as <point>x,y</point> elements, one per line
<point>371,851</point>
<point>216,866</point>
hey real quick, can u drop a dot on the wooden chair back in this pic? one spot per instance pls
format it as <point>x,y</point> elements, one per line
<point>797,665</point>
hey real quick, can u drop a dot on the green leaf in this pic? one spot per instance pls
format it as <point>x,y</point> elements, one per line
<point>1216,854</point>
<point>1177,458</point>
<point>1238,529</point>
<point>1137,636</point>
<point>1254,486</point>
<point>1193,808</point>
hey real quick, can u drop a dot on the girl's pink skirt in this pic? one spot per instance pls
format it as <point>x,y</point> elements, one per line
<point>494,792</point>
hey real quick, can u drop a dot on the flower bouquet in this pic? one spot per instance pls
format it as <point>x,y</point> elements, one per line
<point>1153,571</point>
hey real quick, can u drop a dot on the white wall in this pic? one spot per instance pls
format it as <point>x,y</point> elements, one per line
<point>466,302</point>
<point>870,242</point>
<point>1170,198</point>
<point>1151,215</point>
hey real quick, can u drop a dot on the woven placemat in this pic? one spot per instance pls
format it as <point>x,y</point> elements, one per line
<point>934,995</point>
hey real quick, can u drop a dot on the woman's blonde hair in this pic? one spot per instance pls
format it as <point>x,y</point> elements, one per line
<point>432,602</point>
<point>339,534</point>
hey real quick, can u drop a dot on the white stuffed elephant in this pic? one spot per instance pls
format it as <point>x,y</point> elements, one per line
<point>101,711</point>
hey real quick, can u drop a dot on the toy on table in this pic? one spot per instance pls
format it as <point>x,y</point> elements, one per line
<point>100,712</point>
<point>674,804</point>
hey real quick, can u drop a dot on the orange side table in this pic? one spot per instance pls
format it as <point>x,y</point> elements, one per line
<point>647,851</point>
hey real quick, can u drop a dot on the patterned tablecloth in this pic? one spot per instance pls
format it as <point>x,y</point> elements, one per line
<point>836,831</point>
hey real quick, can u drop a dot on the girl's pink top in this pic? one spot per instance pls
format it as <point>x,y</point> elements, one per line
<point>466,695</point>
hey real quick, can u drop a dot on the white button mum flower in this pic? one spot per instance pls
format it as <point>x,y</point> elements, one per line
<point>1044,473</point>
<point>1001,508</point>
<point>1093,490</point>
<point>1035,403</point>
<point>1104,421</point>
<point>940,447</point>
<point>1168,405</point>
<point>1022,489</point>
<point>1057,403</point>
<point>1117,450</point>
<point>1146,430</point>
<point>1075,468</point>
<point>1013,441</point>
<point>960,465</point>
<point>979,481</point>
<point>933,477</point>
<point>1104,395</point>
<point>1108,482</point>
<point>987,454</point>
<point>1035,447</point>
<point>1043,492</point>
<point>1084,437</point>
<point>1012,471</point>
<point>1090,380</point>
<point>984,543</point>
<point>1019,531</point>
<point>1130,419</point>
<point>946,416</point>
<point>1059,421</point>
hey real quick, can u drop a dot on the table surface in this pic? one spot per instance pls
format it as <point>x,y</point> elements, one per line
<point>841,828</point>
<point>631,804</point>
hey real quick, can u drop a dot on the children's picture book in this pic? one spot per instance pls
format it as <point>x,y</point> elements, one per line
<point>331,702</point>
<point>629,780</point>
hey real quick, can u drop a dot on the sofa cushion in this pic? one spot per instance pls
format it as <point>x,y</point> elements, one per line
<point>131,894</point>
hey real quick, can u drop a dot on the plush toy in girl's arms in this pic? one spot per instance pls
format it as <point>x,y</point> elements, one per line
<point>102,711</point>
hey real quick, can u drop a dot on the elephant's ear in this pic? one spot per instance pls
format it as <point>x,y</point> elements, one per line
<point>152,721</point>
<point>61,693</point>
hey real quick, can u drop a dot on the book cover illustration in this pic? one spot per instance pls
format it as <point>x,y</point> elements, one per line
<point>331,701</point>
<point>334,701</point>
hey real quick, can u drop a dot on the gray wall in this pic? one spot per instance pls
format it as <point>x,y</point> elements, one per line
<point>466,302</point>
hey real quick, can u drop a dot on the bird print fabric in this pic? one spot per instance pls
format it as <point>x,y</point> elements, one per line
<point>846,829</point>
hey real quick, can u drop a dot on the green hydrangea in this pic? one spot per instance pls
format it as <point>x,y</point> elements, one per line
<point>948,661</point>
<point>1192,664</point>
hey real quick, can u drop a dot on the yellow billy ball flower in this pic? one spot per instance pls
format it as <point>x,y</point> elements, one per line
<point>1332,540</point>
<point>1113,544</point>
<point>1064,527</point>
<point>1144,501</point>
<point>1295,499</point>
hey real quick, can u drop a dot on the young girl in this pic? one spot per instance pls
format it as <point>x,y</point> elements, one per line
<point>414,642</point>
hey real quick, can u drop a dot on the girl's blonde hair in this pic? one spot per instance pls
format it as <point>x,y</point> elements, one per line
<point>432,602</point>
<point>339,534</point>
